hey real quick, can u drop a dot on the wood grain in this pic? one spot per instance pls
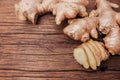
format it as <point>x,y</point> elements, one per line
<point>42,51</point>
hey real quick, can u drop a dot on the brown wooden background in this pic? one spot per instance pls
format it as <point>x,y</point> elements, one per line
<point>42,51</point>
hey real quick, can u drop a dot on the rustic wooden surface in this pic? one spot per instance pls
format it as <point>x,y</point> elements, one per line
<point>42,51</point>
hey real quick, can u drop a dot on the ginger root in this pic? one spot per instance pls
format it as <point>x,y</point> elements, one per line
<point>82,29</point>
<point>30,9</point>
<point>112,41</point>
<point>106,21</point>
<point>68,9</point>
<point>109,22</point>
<point>90,54</point>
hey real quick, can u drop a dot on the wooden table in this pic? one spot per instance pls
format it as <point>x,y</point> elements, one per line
<point>42,51</point>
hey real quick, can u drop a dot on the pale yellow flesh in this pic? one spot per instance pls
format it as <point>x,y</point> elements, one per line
<point>80,56</point>
<point>103,52</point>
<point>95,54</point>
<point>98,54</point>
<point>91,58</point>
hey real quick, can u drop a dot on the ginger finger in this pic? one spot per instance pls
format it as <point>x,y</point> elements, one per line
<point>83,12</point>
<point>114,5</point>
<point>94,13</point>
<point>112,41</point>
<point>85,37</point>
<point>94,33</point>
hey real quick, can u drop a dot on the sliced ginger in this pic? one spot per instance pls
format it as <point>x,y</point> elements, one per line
<point>91,58</point>
<point>81,57</point>
<point>96,52</point>
<point>30,9</point>
<point>86,54</point>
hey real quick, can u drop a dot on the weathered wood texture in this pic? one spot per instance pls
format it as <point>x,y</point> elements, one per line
<point>42,51</point>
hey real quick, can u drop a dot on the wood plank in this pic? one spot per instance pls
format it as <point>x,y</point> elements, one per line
<point>67,75</point>
<point>35,39</point>
<point>36,49</point>
<point>43,29</point>
<point>36,58</point>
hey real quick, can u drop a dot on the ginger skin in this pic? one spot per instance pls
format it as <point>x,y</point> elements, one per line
<point>90,54</point>
<point>30,9</point>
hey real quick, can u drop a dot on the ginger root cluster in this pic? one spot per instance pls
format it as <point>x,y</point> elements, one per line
<point>104,20</point>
